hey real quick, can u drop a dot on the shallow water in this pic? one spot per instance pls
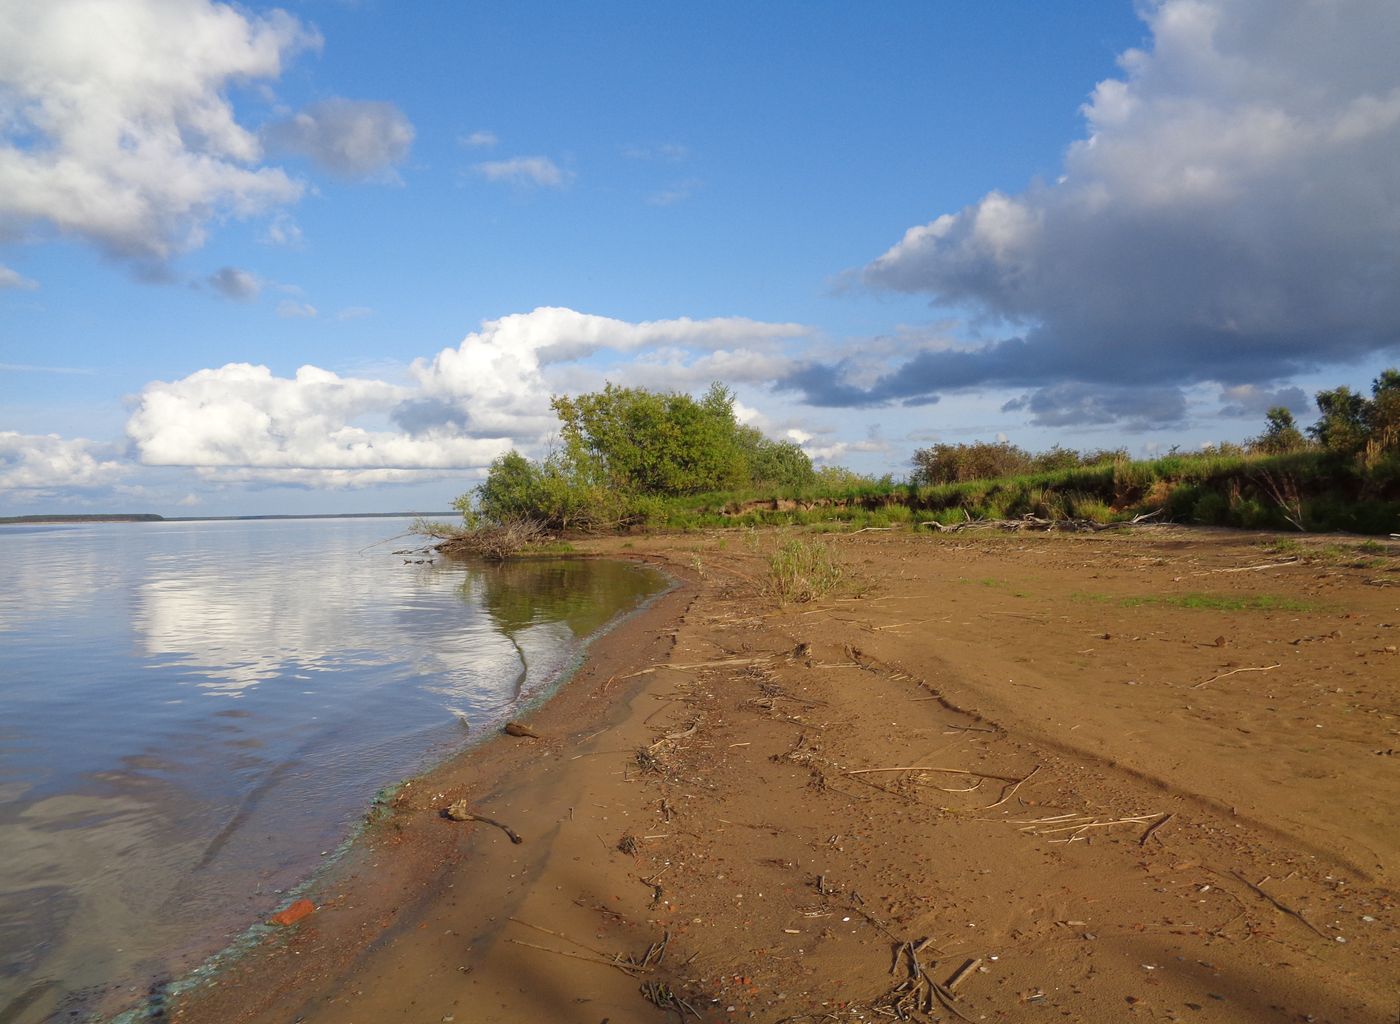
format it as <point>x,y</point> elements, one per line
<point>192,715</point>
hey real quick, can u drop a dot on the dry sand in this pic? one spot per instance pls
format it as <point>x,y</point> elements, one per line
<point>819,804</point>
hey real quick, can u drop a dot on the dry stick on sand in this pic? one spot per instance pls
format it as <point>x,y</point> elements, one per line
<point>622,966</point>
<point>1248,568</point>
<point>1078,824</point>
<point>1155,826</point>
<point>962,972</point>
<point>1009,792</point>
<point>561,935</point>
<point>1280,906</point>
<point>701,664</point>
<point>1261,668</point>
<point>946,771</point>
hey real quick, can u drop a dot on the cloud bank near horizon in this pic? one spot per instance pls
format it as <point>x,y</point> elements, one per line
<point>454,413</point>
<point>1230,216</point>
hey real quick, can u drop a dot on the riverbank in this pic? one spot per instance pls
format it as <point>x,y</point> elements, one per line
<point>1140,774</point>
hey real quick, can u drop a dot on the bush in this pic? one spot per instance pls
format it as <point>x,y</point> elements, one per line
<point>1211,509</point>
<point>1055,459</point>
<point>955,463</point>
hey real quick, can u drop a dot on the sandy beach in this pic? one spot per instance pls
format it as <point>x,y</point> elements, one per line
<point>1147,774</point>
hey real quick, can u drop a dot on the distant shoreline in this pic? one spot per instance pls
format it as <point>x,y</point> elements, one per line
<point>151,517</point>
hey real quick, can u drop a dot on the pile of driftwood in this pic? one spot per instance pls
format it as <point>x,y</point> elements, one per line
<point>496,541</point>
<point>1034,522</point>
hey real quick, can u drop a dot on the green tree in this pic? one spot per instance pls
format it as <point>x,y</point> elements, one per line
<point>772,463</point>
<point>512,488</point>
<point>1281,434</point>
<point>645,442</point>
<point>1383,413</point>
<point>625,450</point>
<point>1342,424</point>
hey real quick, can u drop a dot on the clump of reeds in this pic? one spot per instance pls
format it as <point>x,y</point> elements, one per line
<point>802,570</point>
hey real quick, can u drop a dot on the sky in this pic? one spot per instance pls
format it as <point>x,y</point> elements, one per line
<point>336,256</point>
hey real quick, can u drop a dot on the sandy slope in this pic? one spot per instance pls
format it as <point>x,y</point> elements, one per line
<point>1205,831</point>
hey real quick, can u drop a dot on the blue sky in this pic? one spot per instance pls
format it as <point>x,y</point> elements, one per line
<point>1097,225</point>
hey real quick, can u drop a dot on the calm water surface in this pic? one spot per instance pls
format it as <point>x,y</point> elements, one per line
<point>191,713</point>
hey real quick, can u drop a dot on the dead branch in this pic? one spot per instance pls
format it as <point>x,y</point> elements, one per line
<point>460,812</point>
<point>1280,906</point>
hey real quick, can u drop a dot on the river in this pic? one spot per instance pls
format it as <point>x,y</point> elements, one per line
<point>193,717</point>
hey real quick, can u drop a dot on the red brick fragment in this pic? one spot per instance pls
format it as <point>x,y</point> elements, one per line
<point>294,913</point>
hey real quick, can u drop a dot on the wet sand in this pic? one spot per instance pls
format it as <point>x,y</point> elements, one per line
<point>1133,775</point>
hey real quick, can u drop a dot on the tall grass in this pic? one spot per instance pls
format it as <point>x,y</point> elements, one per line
<point>802,570</point>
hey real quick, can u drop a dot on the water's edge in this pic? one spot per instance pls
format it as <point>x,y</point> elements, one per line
<point>154,1005</point>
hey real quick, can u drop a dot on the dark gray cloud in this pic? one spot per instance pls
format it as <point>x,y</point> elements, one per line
<point>422,416</point>
<point>1073,403</point>
<point>349,138</point>
<point>1249,400</point>
<point>235,283</point>
<point>1231,216</point>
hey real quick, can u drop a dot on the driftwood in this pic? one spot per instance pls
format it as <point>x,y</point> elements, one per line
<point>917,991</point>
<point>516,729</point>
<point>496,542</point>
<point>460,812</point>
<point>1034,522</point>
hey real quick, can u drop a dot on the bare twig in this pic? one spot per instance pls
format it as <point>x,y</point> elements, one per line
<point>946,771</point>
<point>1009,792</point>
<point>1249,568</point>
<point>1154,827</point>
<point>621,965</point>
<point>1223,675</point>
<point>561,935</point>
<point>1280,906</point>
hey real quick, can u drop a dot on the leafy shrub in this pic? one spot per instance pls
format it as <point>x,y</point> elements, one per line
<point>954,463</point>
<point>1211,509</point>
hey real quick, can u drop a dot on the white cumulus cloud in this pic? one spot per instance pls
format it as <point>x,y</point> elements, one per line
<point>47,463</point>
<point>497,380</point>
<point>242,424</point>
<point>116,127</point>
<point>242,417</point>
